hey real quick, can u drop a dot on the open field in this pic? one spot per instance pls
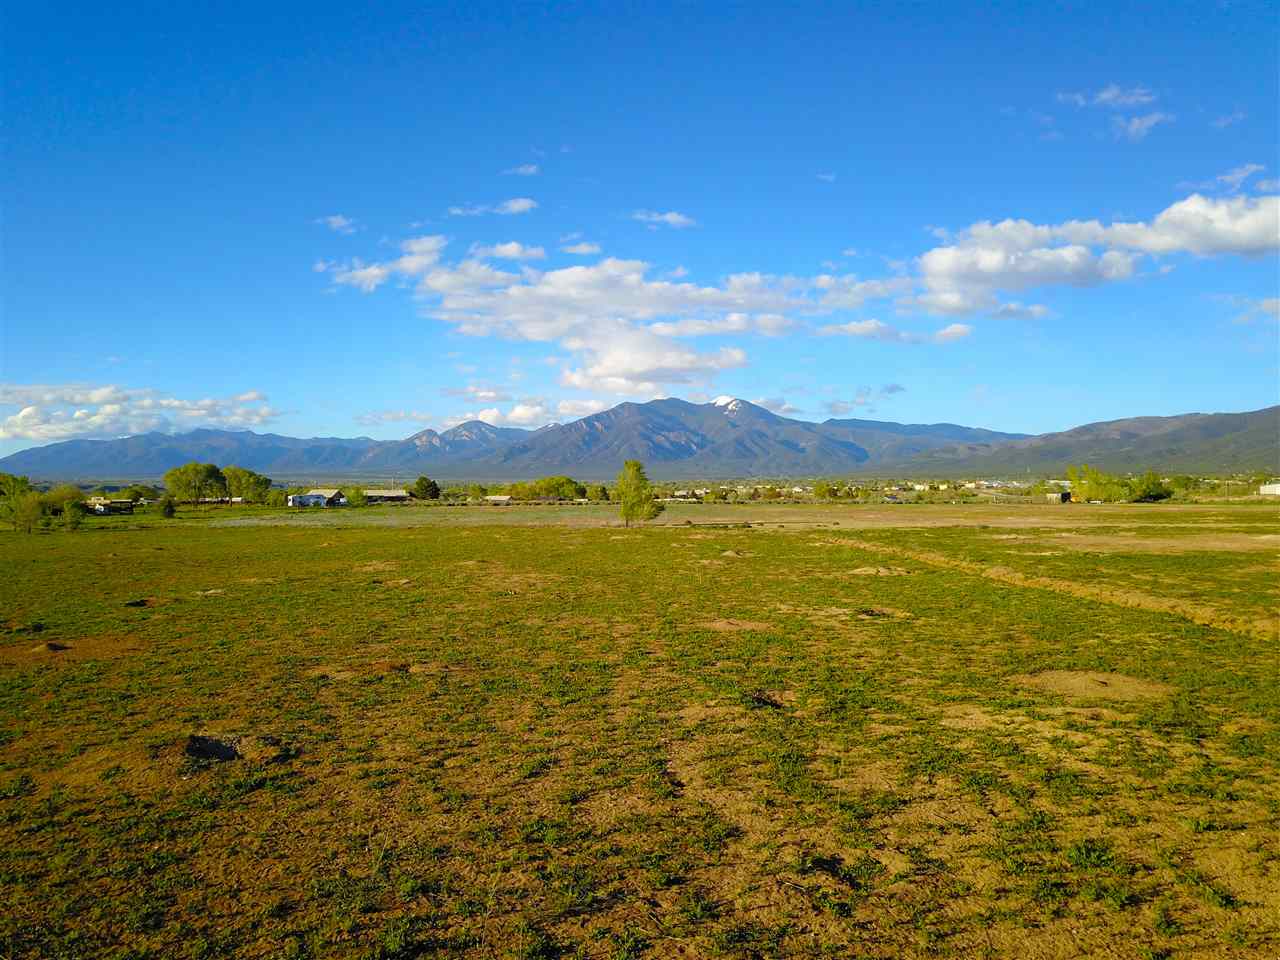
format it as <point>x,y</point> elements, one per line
<point>979,731</point>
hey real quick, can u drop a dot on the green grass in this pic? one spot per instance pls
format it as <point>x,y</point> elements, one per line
<point>558,740</point>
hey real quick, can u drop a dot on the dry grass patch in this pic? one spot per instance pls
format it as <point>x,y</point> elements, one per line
<point>1092,685</point>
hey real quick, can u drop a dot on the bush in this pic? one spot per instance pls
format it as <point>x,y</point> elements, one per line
<point>168,506</point>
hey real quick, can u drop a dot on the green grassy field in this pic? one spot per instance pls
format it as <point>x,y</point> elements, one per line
<point>852,732</point>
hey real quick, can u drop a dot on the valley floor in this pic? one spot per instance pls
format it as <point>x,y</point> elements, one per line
<point>1023,731</point>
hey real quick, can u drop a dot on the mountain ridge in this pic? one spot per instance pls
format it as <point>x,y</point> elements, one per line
<point>729,437</point>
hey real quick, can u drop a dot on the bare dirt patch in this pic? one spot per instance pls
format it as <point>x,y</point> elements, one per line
<point>1195,612</point>
<point>879,572</point>
<point>1193,543</point>
<point>734,626</point>
<point>1091,685</point>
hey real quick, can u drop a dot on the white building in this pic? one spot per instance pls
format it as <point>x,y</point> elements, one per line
<point>1270,489</point>
<point>317,498</point>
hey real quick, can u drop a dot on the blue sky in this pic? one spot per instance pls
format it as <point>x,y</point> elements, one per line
<point>320,221</point>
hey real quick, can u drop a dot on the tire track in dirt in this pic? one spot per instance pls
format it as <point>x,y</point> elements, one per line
<point>1207,616</point>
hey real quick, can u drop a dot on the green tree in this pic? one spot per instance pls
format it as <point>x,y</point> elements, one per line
<point>597,492</point>
<point>168,506</point>
<point>1148,488</point>
<point>424,488</point>
<point>139,491</point>
<point>57,499</point>
<point>28,511</point>
<point>249,486</point>
<point>1089,483</point>
<point>12,489</point>
<point>635,494</point>
<point>193,482</point>
<point>355,497</point>
<point>73,512</point>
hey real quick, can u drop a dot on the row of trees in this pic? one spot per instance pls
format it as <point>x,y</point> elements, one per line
<point>193,482</point>
<point>1089,483</point>
<point>27,509</point>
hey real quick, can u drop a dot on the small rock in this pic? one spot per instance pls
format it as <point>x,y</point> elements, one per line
<point>135,603</point>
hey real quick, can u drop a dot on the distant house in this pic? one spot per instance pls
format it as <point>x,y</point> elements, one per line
<point>498,500</point>
<point>1269,490</point>
<point>386,496</point>
<point>103,505</point>
<point>317,498</point>
<point>1058,496</point>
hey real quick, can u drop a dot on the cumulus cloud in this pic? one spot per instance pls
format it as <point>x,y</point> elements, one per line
<point>770,324</point>
<point>777,405</point>
<point>1015,310</point>
<point>480,393</point>
<point>530,412</point>
<point>417,255</point>
<point>636,362</point>
<point>582,249</point>
<point>68,411</point>
<point>510,250</point>
<point>669,219</point>
<point>879,330</point>
<point>849,293</point>
<point>516,205</point>
<point>966,275</point>
<point>523,170</point>
<point>337,223</point>
<point>506,208</point>
<point>1134,129</point>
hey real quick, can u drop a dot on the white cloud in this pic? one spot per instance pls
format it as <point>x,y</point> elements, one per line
<point>637,362</point>
<point>530,412</point>
<point>670,219</point>
<point>1234,179</point>
<point>952,332</point>
<point>582,249</point>
<point>770,324</point>
<point>986,258</point>
<point>523,170</point>
<point>777,405</point>
<point>507,207</point>
<point>1112,95</point>
<point>1227,120</point>
<point>378,417</point>
<point>1267,186</point>
<point>516,205</point>
<point>1267,308</point>
<point>338,223</point>
<point>418,254</point>
<point>66,411</point>
<point>1015,310</point>
<point>848,292</point>
<point>879,330</point>
<point>480,393</point>
<point>1134,129</point>
<point>510,250</point>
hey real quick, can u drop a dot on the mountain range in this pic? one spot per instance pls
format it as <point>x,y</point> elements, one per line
<point>675,438</point>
